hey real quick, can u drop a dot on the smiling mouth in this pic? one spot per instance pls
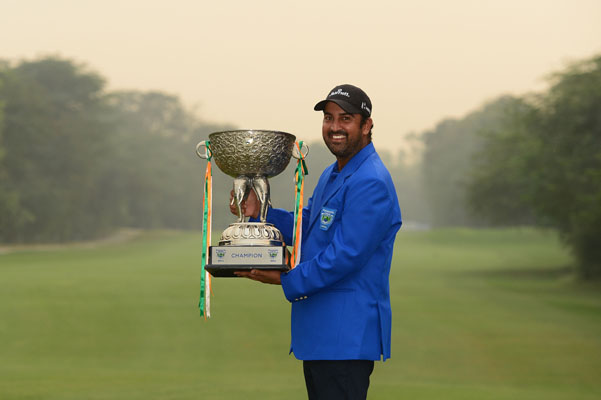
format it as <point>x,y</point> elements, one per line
<point>337,136</point>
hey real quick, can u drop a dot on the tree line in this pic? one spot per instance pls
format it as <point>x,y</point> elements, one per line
<point>78,161</point>
<point>533,160</point>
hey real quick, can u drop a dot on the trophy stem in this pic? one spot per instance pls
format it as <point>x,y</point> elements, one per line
<point>261,188</point>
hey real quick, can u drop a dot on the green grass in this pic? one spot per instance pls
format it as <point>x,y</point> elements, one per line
<point>476,315</point>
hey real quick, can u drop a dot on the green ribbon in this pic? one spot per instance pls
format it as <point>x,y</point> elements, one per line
<point>301,171</point>
<point>205,228</point>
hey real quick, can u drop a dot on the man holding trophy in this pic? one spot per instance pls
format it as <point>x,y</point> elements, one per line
<point>341,316</point>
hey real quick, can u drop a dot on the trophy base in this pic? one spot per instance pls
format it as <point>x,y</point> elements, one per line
<point>248,245</point>
<point>225,260</point>
<point>251,234</point>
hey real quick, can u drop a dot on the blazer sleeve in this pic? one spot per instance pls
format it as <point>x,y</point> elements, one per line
<point>367,219</point>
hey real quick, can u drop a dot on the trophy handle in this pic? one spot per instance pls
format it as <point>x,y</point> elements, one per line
<point>204,154</point>
<point>295,151</point>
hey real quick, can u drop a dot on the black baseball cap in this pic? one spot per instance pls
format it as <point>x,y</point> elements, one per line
<point>350,98</point>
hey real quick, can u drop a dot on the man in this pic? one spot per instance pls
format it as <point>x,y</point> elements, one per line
<point>341,318</point>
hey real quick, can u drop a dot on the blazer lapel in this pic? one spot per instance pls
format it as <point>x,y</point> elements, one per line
<point>330,190</point>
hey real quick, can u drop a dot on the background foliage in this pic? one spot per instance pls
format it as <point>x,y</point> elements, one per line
<point>77,161</point>
<point>531,160</point>
<point>542,165</point>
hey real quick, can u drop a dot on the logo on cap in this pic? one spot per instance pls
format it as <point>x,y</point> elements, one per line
<point>365,107</point>
<point>339,92</point>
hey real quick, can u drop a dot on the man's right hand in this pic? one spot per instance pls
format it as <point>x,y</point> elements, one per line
<point>250,206</point>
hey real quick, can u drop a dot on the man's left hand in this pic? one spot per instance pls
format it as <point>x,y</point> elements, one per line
<point>265,276</point>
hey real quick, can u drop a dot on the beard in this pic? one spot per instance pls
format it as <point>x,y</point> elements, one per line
<point>347,148</point>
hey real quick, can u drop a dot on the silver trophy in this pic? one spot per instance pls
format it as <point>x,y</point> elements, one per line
<point>250,157</point>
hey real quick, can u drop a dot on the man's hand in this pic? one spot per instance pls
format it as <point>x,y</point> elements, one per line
<point>265,276</point>
<point>250,206</point>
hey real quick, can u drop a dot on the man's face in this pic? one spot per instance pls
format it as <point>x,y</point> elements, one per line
<point>342,132</point>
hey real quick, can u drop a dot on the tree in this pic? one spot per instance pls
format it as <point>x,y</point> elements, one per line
<point>12,215</point>
<point>546,159</point>
<point>500,183</point>
<point>54,140</point>
<point>568,188</point>
<point>77,163</point>
<point>156,175</point>
<point>448,160</point>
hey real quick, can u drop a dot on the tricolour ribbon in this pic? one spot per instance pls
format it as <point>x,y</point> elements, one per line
<point>301,171</point>
<point>205,278</point>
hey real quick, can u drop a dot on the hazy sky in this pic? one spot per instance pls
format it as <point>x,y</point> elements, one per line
<point>264,63</point>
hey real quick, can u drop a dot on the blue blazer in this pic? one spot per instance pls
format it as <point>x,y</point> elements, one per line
<point>339,291</point>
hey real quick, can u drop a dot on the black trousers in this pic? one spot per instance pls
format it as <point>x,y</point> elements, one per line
<point>337,379</point>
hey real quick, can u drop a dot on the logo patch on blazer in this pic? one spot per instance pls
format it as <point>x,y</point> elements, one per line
<point>326,218</point>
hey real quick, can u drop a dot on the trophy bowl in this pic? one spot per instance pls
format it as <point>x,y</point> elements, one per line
<point>252,152</point>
